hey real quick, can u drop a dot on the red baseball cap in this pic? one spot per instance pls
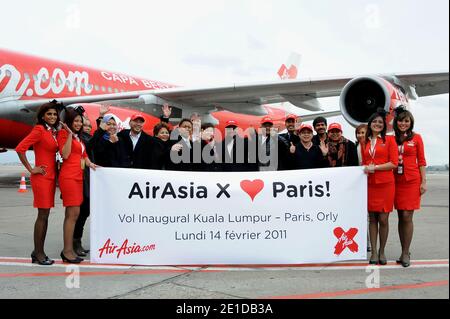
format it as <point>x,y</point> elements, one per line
<point>306,126</point>
<point>231,123</point>
<point>267,119</point>
<point>136,116</point>
<point>291,117</point>
<point>335,126</point>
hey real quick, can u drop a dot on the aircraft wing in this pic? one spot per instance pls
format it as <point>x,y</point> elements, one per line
<point>247,96</point>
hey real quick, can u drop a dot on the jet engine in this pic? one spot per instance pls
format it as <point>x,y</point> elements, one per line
<point>362,96</point>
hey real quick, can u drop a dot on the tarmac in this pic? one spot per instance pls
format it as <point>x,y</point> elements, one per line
<point>427,277</point>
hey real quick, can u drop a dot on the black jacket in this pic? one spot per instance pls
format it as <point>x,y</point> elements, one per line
<point>278,153</point>
<point>312,158</point>
<point>140,157</point>
<point>104,152</point>
<point>351,155</point>
<point>160,154</point>
<point>288,159</point>
<point>214,151</point>
<point>235,162</point>
<point>183,160</point>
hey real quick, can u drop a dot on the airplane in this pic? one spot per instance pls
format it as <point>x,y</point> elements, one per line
<point>27,82</point>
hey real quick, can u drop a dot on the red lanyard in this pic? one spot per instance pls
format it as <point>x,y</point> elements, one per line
<point>372,148</point>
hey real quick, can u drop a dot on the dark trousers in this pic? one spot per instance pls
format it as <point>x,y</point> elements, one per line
<point>81,221</point>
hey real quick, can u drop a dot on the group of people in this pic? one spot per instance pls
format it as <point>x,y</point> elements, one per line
<point>395,164</point>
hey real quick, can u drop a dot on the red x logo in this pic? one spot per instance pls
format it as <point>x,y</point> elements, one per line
<point>345,240</point>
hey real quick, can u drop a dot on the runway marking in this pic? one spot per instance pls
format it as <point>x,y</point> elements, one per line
<point>92,273</point>
<point>362,291</point>
<point>362,265</point>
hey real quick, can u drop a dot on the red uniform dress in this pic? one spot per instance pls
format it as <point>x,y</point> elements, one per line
<point>44,144</point>
<point>407,186</point>
<point>381,184</point>
<point>71,174</point>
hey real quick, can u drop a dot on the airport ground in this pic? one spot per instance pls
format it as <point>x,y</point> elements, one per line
<point>427,277</point>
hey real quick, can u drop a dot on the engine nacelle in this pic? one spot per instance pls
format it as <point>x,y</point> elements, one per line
<point>362,96</point>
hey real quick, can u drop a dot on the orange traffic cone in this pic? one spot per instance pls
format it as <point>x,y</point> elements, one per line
<point>23,185</point>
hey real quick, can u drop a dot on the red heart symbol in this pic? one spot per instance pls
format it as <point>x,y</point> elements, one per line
<point>252,188</point>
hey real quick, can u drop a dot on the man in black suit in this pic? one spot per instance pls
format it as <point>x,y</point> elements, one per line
<point>289,139</point>
<point>234,149</point>
<point>182,149</point>
<point>135,144</point>
<point>211,150</point>
<point>270,148</point>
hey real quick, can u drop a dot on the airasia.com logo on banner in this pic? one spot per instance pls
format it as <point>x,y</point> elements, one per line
<point>125,249</point>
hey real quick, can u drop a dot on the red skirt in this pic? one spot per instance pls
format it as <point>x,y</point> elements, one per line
<point>407,194</point>
<point>380,197</point>
<point>43,191</point>
<point>71,191</point>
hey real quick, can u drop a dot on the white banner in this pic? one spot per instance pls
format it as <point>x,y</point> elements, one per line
<point>149,217</point>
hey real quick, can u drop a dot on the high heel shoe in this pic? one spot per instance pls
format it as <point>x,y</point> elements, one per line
<point>406,263</point>
<point>77,260</point>
<point>399,261</point>
<point>382,261</point>
<point>373,261</point>
<point>46,262</point>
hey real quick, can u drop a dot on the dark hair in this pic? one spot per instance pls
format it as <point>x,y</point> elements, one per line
<point>158,127</point>
<point>70,116</point>
<point>359,127</point>
<point>184,120</point>
<point>43,109</point>
<point>400,114</point>
<point>207,125</point>
<point>379,113</point>
<point>319,119</point>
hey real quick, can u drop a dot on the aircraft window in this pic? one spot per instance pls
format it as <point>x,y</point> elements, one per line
<point>103,89</point>
<point>90,86</point>
<point>116,90</point>
<point>122,91</point>
<point>8,73</point>
<point>96,87</point>
<point>109,90</point>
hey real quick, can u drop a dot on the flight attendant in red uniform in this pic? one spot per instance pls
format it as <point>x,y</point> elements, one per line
<point>43,174</point>
<point>73,152</point>
<point>410,178</point>
<point>380,158</point>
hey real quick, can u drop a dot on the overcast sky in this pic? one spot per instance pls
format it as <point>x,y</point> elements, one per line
<point>221,42</point>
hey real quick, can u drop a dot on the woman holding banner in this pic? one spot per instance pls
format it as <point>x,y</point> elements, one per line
<point>380,158</point>
<point>73,152</point>
<point>410,178</point>
<point>43,175</point>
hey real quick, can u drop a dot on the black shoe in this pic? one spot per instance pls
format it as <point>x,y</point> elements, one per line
<point>373,261</point>
<point>77,260</point>
<point>382,261</point>
<point>78,248</point>
<point>399,261</point>
<point>46,262</point>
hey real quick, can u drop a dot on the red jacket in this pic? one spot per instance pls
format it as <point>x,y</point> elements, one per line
<point>413,157</point>
<point>71,167</point>
<point>384,152</point>
<point>44,146</point>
